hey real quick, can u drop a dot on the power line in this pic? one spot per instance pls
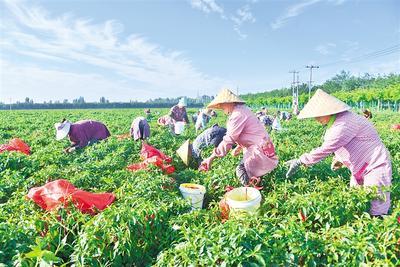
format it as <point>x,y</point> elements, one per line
<point>371,55</point>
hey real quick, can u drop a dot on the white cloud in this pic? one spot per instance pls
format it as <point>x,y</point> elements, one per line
<point>97,48</point>
<point>241,35</point>
<point>337,2</point>
<point>291,12</point>
<point>208,6</point>
<point>325,49</point>
<point>243,14</point>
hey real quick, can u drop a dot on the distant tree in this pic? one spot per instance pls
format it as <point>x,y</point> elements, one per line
<point>103,100</point>
<point>27,100</point>
<point>65,101</point>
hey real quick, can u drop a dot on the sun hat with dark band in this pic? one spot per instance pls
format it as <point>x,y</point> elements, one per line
<point>225,96</point>
<point>62,129</point>
<point>322,104</point>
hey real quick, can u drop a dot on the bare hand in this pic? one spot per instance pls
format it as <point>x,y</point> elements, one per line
<point>336,165</point>
<point>206,164</point>
<point>236,151</point>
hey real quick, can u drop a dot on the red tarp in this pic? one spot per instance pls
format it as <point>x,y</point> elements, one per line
<point>53,194</point>
<point>16,144</point>
<point>151,155</point>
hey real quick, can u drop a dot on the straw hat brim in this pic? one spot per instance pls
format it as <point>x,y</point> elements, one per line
<point>62,133</point>
<point>322,104</point>
<point>185,152</point>
<point>224,97</point>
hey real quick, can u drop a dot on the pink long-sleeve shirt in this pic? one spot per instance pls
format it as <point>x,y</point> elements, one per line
<point>355,142</point>
<point>247,131</point>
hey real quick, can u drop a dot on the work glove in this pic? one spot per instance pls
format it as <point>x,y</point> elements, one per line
<point>293,165</point>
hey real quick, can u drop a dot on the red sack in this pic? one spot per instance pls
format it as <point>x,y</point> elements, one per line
<point>149,151</point>
<point>16,144</point>
<point>157,161</point>
<point>53,194</point>
<point>151,155</point>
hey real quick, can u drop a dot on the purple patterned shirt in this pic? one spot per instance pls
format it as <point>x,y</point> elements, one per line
<point>355,143</point>
<point>83,132</point>
<point>178,114</point>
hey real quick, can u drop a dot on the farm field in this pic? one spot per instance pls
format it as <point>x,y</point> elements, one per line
<point>312,219</point>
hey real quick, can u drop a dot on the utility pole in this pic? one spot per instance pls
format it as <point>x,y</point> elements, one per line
<point>296,109</point>
<point>237,90</point>
<point>294,94</point>
<point>309,84</point>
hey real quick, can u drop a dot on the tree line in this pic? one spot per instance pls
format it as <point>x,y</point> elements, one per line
<point>382,92</point>
<point>80,103</point>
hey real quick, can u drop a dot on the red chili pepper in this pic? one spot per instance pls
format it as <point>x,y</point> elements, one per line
<point>398,219</point>
<point>302,216</point>
<point>224,208</point>
<point>228,188</point>
<point>203,167</point>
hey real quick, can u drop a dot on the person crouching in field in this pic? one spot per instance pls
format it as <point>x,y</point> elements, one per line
<point>355,143</point>
<point>202,119</point>
<point>178,114</point>
<point>140,129</point>
<point>210,137</point>
<point>245,130</point>
<point>81,133</point>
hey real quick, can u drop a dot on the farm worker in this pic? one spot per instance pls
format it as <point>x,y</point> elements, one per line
<point>194,116</point>
<point>245,130</point>
<point>148,114</point>
<point>140,129</point>
<point>164,120</point>
<point>355,143</point>
<point>209,137</point>
<point>81,133</point>
<point>285,116</point>
<point>178,113</point>
<point>276,124</point>
<point>202,119</point>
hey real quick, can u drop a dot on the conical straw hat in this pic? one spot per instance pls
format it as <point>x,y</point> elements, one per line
<point>322,104</point>
<point>185,152</point>
<point>225,96</point>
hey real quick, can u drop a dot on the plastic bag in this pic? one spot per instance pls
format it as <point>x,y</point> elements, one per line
<point>157,161</point>
<point>53,194</point>
<point>151,155</point>
<point>149,151</point>
<point>16,144</point>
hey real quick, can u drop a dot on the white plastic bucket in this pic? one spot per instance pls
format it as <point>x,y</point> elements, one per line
<point>179,127</point>
<point>195,193</point>
<point>243,199</point>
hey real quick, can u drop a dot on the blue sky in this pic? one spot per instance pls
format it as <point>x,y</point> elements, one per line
<point>136,50</point>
